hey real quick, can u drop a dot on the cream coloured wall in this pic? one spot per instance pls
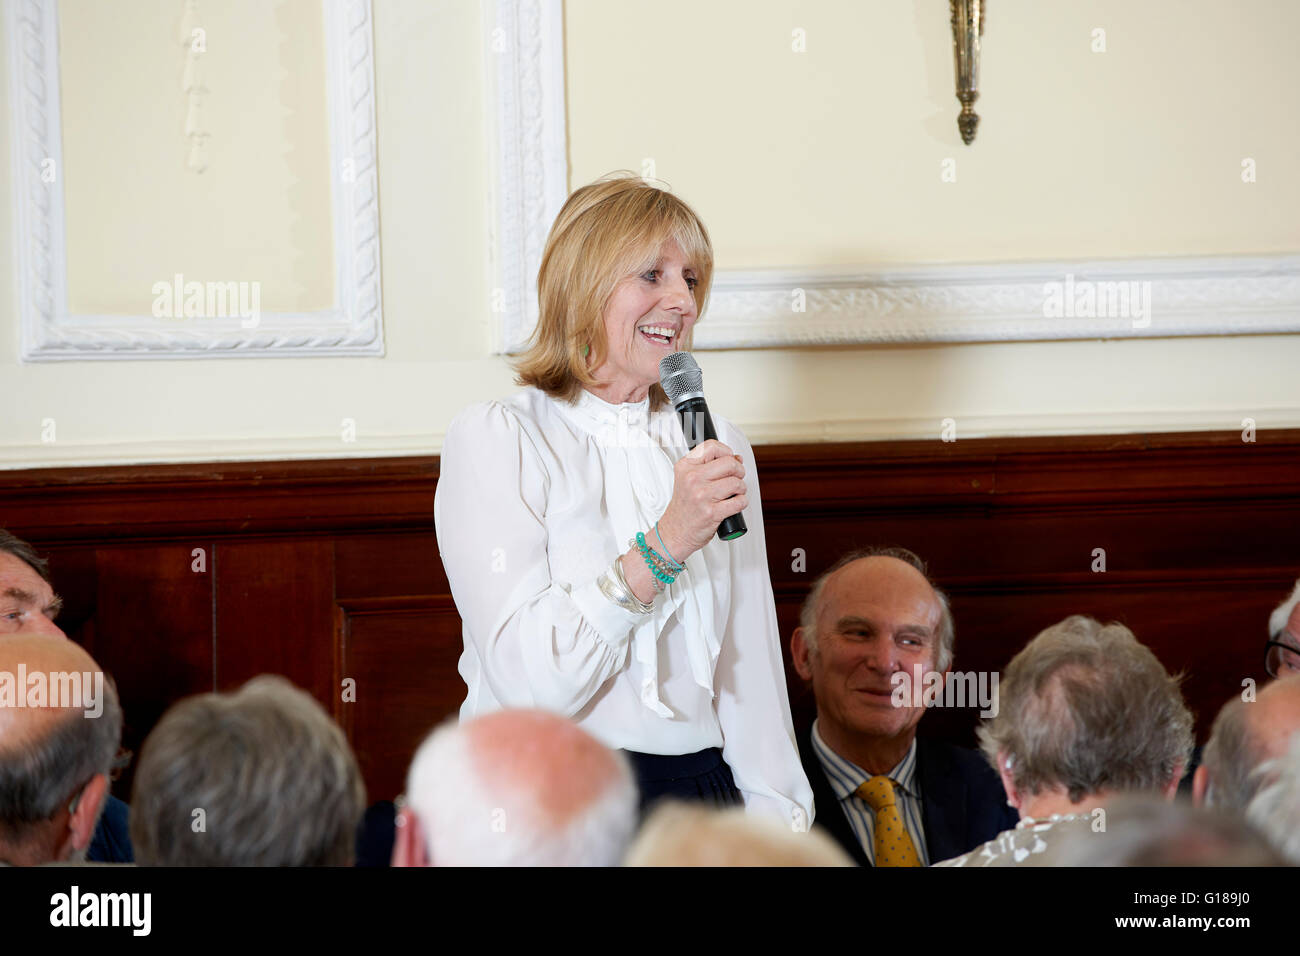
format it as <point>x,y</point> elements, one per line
<point>832,156</point>
<point>434,239</point>
<point>825,157</point>
<point>260,211</point>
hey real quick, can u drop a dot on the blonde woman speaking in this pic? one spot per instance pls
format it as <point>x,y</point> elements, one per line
<point>580,536</point>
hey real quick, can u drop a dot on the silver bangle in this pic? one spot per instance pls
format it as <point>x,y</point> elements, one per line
<point>611,589</point>
<point>622,589</point>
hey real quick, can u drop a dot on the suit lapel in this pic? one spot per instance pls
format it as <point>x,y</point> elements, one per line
<point>829,814</point>
<point>943,801</point>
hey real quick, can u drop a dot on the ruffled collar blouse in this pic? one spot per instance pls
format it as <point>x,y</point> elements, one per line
<point>536,497</point>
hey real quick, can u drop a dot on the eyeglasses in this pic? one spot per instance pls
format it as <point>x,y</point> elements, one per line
<point>1282,656</point>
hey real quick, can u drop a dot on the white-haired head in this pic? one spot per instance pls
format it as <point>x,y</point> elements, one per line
<point>521,788</point>
<point>1275,809</point>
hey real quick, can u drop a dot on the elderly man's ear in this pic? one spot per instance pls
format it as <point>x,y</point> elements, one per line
<point>1200,784</point>
<point>799,654</point>
<point>81,823</point>
<point>409,848</point>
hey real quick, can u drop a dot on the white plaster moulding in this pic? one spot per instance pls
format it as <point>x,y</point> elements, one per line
<point>754,308</point>
<point>524,56</point>
<point>1009,301</point>
<point>48,332</point>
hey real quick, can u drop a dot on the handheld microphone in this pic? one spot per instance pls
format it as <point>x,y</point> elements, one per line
<point>683,382</point>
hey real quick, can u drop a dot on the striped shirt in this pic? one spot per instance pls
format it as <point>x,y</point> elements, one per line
<point>845,777</point>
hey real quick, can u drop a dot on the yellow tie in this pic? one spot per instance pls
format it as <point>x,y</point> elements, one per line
<point>893,844</point>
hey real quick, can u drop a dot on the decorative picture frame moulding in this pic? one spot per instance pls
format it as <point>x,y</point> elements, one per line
<point>49,332</point>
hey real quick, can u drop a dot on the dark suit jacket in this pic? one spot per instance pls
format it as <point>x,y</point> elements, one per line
<point>111,842</point>
<point>962,800</point>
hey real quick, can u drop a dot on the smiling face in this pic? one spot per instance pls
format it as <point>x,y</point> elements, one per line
<point>647,316</point>
<point>877,616</point>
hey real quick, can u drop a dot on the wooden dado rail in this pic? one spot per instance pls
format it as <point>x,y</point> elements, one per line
<point>326,570</point>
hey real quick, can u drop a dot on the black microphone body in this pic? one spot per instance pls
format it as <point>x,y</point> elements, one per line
<point>697,426</point>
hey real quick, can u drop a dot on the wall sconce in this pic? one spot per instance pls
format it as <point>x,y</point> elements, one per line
<point>967,28</point>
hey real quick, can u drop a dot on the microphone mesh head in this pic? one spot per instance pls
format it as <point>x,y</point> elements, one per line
<point>680,376</point>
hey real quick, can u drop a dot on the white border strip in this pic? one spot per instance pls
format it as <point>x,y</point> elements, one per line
<point>525,56</point>
<point>854,429</point>
<point>1003,302</point>
<point>49,333</point>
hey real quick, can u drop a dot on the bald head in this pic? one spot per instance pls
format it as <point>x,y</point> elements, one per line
<point>556,769</point>
<point>1244,736</point>
<point>882,579</point>
<point>1274,717</point>
<point>21,724</point>
<point>893,579</point>
<point>60,727</point>
<point>520,788</point>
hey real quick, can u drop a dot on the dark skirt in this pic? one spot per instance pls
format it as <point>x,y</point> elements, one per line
<point>702,777</point>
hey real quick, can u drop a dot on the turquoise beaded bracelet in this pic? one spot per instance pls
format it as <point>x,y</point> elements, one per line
<point>654,561</point>
<point>657,579</point>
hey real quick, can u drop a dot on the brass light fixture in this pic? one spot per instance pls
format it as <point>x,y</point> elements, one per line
<point>967,28</point>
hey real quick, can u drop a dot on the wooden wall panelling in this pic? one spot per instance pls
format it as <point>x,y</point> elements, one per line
<point>145,616</point>
<point>402,654</point>
<point>274,613</point>
<point>399,642</point>
<point>322,570</point>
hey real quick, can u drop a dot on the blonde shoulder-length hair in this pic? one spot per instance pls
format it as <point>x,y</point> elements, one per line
<point>607,231</point>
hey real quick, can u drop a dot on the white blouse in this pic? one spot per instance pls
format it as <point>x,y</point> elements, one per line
<point>535,499</point>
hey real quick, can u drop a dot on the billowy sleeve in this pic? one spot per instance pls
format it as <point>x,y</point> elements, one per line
<point>753,705</point>
<point>541,643</point>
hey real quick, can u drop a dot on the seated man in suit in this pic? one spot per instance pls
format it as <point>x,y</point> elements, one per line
<point>28,605</point>
<point>1088,714</point>
<point>888,798</point>
<point>60,727</point>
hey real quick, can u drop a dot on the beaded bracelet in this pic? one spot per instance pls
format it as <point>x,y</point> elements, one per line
<point>656,585</point>
<point>657,575</point>
<point>655,561</point>
<point>667,565</point>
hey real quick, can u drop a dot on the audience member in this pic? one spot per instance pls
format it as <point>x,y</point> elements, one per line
<point>28,605</point>
<point>1148,831</point>
<point>677,834</point>
<point>516,788</point>
<point>60,727</point>
<point>259,777</point>
<point>1246,733</point>
<point>1275,810</point>
<point>888,798</point>
<point>1087,713</point>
